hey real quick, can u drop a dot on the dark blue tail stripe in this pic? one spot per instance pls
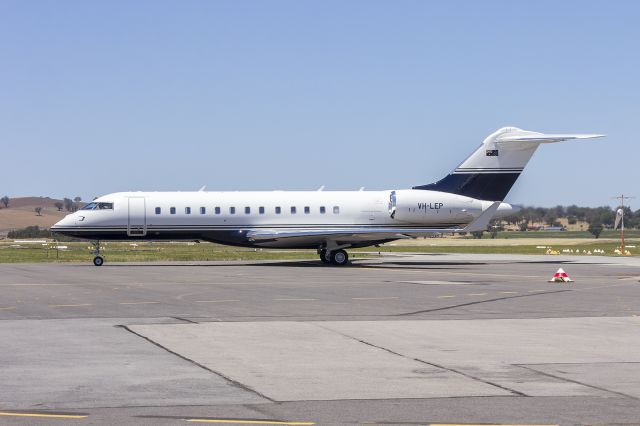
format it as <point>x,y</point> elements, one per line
<point>483,186</point>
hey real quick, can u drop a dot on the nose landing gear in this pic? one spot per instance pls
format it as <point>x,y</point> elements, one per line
<point>98,260</point>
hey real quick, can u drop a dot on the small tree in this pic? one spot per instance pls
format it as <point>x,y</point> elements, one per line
<point>595,229</point>
<point>524,225</point>
<point>68,204</point>
<point>59,205</point>
<point>477,235</point>
<point>38,211</point>
<point>77,203</point>
<point>5,200</point>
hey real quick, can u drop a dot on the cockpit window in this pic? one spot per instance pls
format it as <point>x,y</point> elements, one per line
<point>98,206</point>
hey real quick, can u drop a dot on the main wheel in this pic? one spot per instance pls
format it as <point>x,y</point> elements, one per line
<point>323,256</point>
<point>98,260</point>
<point>339,257</point>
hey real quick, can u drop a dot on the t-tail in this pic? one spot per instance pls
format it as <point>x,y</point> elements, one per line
<point>490,172</point>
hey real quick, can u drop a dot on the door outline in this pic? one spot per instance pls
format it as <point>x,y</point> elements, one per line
<point>135,229</point>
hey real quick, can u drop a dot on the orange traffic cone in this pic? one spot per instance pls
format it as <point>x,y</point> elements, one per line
<point>560,277</point>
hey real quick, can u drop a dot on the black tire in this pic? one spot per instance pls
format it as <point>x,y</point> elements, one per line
<point>323,256</point>
<point>98,260</point>
<point>339,257</point>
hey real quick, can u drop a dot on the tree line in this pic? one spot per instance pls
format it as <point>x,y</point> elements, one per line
<point>604,216</point>
<point>67,203</point>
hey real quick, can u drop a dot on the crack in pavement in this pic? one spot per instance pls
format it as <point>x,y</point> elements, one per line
<point>217,373</point>
<point>477,302</point>
<point>442,367</point>
<point>526,367</point>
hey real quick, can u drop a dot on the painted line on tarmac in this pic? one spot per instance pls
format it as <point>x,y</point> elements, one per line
<point>71,306</point>
<point>8,308</point>
<point>482,424</point>
<point>249,422</point>
<point>375,298</point>
<point>509,292</point>
<point>445,297</point>
<point>293,300</point>
<point>477,294</point>
<point>34,284</point>
<point>409,269</point>
<point>54,416</point>
<point>138,303</point>
<point>217,301</point>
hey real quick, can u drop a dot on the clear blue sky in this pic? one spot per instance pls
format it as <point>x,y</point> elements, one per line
<point>105,96</point>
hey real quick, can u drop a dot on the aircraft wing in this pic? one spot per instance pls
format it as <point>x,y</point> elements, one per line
<point>372,234</point>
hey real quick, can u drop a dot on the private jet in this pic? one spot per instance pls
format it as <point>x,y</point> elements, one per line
<point>465,200</point>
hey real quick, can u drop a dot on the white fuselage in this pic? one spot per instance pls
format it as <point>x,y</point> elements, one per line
<point>227,217</point>
<point>463,201</point>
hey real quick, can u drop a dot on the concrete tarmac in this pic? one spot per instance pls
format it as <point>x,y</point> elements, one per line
<point>399,339</point>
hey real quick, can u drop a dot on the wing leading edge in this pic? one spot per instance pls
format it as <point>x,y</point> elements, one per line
<point>480,224</point>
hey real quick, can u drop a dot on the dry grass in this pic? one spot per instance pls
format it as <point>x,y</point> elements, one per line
<point>21,217</point>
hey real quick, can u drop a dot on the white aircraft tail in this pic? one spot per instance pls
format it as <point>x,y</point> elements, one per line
<point>490,172</point>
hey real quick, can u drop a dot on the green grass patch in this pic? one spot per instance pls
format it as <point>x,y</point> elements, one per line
<point>143,252</point>
<point>11,252</point>
<point>631,233</point>
<point>578,249</point>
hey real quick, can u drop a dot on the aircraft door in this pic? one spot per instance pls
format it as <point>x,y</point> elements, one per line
<point>392,204</point>
<point>137,218</point>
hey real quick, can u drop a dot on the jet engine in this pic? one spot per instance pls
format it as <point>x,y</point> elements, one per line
<point>432,207</point>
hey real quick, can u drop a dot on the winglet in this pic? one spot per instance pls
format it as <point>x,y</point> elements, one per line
<point>480,224</point>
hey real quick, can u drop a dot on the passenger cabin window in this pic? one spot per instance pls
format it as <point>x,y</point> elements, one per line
<point>217,210</point>
<point>278,210</point>
<point>158,210</point>
<point>336,210</point>
<point>293,210</point>
<point>261,210</point>
<point>232,210</point>
<point>322,210</point>
<point>187,210</point>
<point>307,210</point>
<point>247,210</point>
<point>203,210</point>
<point>172,210</point>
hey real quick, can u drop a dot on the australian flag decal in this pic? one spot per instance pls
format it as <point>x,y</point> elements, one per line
<point>492,153</point>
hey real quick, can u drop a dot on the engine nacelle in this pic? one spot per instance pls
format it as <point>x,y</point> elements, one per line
<point>432,207</point>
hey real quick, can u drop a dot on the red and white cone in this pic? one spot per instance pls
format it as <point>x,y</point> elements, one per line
<point>560,277</point>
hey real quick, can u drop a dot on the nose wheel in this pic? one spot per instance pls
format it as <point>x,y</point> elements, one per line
<point>98,260</point>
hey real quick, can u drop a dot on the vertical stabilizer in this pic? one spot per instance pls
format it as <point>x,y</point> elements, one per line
<point>490,171</point>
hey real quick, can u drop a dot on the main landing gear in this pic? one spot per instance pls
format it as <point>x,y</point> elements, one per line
<point>335,257</point>
<point>98,260</point>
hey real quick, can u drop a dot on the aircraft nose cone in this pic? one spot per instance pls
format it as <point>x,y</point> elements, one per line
<point>65,222</point>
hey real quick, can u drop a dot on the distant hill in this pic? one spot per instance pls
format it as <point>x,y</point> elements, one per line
<point>21,213</point>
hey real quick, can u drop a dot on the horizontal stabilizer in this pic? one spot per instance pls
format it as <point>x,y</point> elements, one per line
<point>543,138</point>
<point>481,223</point>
